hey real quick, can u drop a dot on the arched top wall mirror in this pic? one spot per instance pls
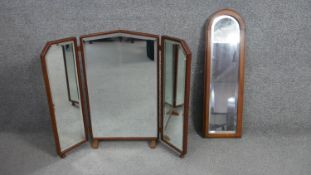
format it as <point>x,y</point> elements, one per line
<point>224,75</point>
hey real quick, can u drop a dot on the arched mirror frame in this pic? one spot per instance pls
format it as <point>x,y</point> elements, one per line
<point>59,151</point>
<point>207,74</point>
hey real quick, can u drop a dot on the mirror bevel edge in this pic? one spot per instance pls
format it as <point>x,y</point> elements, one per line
<point>46,48</point>
<point>208,42</point>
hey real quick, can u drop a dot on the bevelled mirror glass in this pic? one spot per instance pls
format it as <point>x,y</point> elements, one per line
<point>61,79</point>
<point>121,70</point>
<point>176,59</point>
<point>224,75</point>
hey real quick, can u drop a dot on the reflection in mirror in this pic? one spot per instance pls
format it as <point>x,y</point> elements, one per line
<point>174,92</point>
<point>121,72</point>
<point>69,118</point>
<point>224,78</point>
<point>70,72</point>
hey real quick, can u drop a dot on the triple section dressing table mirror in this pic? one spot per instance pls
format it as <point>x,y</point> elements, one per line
<point>118,85</point>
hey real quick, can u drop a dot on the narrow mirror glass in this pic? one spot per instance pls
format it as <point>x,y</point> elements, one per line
<point>224,75</point>
<point>174,80</point>
<point>70,72</point>
<point>121,72</point>
<point>68,116</point>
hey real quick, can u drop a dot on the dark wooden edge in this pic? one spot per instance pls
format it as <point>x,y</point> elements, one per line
<point>82,37</point>
<point>62,155</point>
<point>78,67</point>
<point>124,138</point>
<point>158,83</point>
<point>66,74</point>
<point>67,78</point>
<point>207,80</point>
<point>175,67</point>
<point>119,31</point>
<point>49,95</point>
<point>187,51</point>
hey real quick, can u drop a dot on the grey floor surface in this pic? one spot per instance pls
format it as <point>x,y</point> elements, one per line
<point>277,87</point>
<point>261,152</point>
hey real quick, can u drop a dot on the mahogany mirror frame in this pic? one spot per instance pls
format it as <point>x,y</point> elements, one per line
<point>207,79</point>
<point>46,48</point>
<point>188,54</point>
<point>95,140</point>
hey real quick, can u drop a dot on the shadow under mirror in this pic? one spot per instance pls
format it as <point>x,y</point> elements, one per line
<point>121,74</point>
<point>60,73</point>
<point>224,86</point>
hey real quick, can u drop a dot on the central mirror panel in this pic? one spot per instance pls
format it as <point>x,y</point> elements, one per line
<point>224,85</point>
<point>121,75</point>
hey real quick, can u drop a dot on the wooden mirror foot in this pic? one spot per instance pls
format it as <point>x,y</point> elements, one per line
<point>62,156</point>
<point>182,156</point>
<point>95,144</point>
<point>153,144</point>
